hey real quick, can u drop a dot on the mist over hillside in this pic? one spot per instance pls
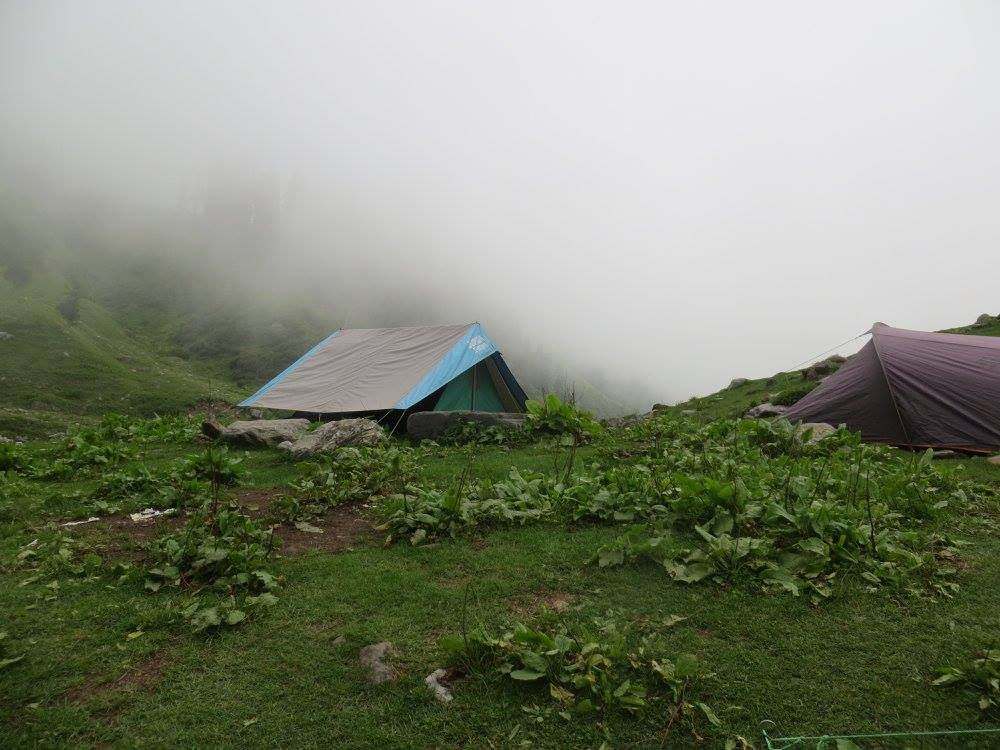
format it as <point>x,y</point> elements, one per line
<point>217,278</point>
<point>646,203</point>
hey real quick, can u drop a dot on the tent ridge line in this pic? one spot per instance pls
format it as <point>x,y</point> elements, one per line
<point>888,385</point>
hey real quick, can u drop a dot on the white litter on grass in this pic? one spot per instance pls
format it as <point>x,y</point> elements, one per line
<point>150,513</point>
<point>79,523</point>
<point>441,692</point>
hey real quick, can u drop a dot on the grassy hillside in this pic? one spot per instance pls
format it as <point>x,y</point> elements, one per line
<point>734,402</point>
<point>85,362</point>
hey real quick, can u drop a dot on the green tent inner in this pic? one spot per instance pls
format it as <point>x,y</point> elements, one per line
<point>473,390</point>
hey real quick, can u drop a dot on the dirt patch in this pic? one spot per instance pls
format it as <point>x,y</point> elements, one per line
<point>343,527</point>
<point>553,601</point>
<point>143,676</point>
<point>258,501</point>
<point>122,538</point>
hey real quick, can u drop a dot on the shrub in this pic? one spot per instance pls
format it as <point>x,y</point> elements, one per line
<point>553,416</point>
<point>793,394</point>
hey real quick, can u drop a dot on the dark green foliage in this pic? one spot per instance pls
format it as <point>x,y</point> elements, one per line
<point>793,394</point>
<point>552,416</point>
<point>590,669</point>
<point>980,676</point>
<point>221,550</point>
<point>755,502</point>
<point>215,465</point>
<point>12,460</point>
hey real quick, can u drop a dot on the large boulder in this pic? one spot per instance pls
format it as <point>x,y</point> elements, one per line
<point>268,432</point>
<point>333,435</point>
<point>431,425</point>
<point>819,370</point>
<point>762,411</point>
<point>617,423</point>
<point>736,383</point>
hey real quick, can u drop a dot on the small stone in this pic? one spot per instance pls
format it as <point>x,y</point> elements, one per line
<point>433,681</point>
<point>339,641</point>
<point>373,658</point>
<point>994,459</point>
<point>4,336</point>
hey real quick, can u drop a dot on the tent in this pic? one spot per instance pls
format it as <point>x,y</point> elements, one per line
<point>441,368</point>
<point>915,389</point>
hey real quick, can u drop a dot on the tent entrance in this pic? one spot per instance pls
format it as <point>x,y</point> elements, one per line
<point>480,388</point>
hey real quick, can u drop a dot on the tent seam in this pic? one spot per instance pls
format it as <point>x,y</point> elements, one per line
<point>888,385</point>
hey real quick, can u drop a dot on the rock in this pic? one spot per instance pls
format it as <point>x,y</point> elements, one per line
<point>986,318</point>
<point>945,454</point>
<point>617,423</point>
<point>819,370</point>
<point>339,641</point>
<point>4,336</point>
<point>765,410</point>
<point>258,431</point>
<point>5,439</point>
<point>256,414</point>
<point>374,658</point>
<point>336,434</point>
<point>660,407</point>
<point>286,445</point>
<point>819,431</point>
<point>430,425</point>
<point>994,459</point>
<point>736,383</point>
<point>441,691</point>
<point>688,412</point>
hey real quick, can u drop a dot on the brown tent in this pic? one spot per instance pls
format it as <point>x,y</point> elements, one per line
<point>915,389</point>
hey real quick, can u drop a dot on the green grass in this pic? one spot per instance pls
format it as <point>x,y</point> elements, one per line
<point>734,402</point>
<point>861,662</point>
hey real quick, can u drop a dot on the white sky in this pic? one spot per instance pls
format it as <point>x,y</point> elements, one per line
<point>678,192</point>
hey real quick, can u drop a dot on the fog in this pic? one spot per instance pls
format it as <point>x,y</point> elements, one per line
<point>661,195</point>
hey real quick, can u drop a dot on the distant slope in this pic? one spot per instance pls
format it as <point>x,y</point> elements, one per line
<point>91,365</point>
<point>734,402</point>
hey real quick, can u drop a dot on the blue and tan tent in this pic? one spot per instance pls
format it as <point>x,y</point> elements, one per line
<point>440,368</point>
